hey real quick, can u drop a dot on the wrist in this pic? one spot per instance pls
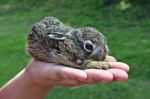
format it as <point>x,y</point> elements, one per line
<point>23,87</point>
<point>30,81</point>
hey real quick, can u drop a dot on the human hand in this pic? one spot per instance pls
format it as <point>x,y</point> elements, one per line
<point>49,74</point>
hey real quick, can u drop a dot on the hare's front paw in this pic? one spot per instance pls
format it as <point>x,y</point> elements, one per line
<point>98,65</point>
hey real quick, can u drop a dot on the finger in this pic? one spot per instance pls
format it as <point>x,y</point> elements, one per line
<point>110,59</point>
<point>118,74</point>
<point>120,65</point>
<point>65,72</point>
<point>98,76</point>
<point>71,73</point>
<point>68,82</point>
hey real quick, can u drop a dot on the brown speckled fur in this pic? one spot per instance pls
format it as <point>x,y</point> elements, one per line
<point>52,41</point>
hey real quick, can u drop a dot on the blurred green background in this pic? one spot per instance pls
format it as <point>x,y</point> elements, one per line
<point>125,23</point>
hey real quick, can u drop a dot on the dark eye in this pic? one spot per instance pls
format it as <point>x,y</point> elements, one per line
<point>88,46</point>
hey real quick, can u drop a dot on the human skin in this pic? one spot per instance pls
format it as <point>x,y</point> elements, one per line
<point>38,78</point>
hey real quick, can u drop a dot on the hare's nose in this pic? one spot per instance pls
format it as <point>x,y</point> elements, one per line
<point>97,51</point>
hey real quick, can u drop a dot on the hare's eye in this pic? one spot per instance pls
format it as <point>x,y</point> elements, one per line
<point>88,46</point>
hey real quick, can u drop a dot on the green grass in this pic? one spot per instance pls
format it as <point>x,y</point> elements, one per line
<point>128,38</point>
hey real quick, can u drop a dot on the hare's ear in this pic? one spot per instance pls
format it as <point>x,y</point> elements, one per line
<point>56,36</point>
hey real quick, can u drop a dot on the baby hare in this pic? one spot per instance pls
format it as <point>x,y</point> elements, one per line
<point>52,41</point>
